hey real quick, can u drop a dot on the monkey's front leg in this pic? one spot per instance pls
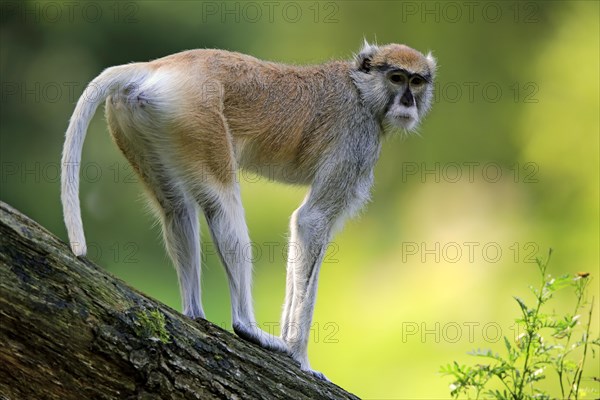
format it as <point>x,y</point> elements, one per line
<point>311,228</point>
<point>335,194</point>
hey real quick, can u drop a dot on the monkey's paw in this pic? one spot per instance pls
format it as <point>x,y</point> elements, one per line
<point>319,375</point>
<point>257,336</point>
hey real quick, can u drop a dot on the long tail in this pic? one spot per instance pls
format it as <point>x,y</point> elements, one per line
<point>95,93</point>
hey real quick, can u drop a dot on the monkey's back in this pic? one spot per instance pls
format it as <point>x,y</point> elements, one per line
<point>279,116</point>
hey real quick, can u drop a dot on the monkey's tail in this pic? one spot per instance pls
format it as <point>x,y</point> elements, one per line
<point>95,93</point>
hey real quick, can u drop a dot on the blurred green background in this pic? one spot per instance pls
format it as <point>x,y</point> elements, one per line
<point>505,166</point>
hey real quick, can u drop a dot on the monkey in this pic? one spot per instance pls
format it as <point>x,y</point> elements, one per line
<point>188,121</point>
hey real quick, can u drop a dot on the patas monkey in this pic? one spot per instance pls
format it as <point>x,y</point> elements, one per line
<point>186,122</point>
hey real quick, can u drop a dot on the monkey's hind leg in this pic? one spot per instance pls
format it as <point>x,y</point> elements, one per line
<point>176,210</point>
<point>208,163</point>
<point>182,240</point>
<point>225,216</point>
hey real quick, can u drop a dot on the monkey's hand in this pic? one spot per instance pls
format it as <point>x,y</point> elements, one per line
<point>254,334</point>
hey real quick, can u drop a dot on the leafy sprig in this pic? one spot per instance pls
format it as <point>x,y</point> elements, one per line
<point>549,346</point>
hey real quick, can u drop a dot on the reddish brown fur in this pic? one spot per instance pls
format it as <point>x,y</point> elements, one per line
<point>399,54</point>
<point>231,112</point>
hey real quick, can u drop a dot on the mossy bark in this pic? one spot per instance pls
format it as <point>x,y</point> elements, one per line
<point>70,330</point>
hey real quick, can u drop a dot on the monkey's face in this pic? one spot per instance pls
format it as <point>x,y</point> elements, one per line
<point>407,96</point>
<point>396,81</point>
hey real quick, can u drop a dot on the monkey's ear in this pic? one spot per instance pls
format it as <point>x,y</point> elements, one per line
<point>431,63</point>
<point>365,56</point>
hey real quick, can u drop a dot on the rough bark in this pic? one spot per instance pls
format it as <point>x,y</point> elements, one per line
<point>70,330</point>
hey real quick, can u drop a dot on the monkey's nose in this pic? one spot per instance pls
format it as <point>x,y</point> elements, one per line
<point>407,99</point>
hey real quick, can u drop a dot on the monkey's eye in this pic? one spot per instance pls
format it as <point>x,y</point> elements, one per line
<point>417,81</point>
<point>398,78</point>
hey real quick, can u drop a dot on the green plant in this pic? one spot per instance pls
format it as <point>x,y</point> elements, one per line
<point>152,325</point>
<point>548,343</point>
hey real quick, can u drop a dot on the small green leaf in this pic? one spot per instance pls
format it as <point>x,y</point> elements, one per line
<point>523,306</point>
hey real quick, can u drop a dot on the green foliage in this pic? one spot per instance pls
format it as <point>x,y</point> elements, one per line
<point>548,346</point>
<point>152,325</point>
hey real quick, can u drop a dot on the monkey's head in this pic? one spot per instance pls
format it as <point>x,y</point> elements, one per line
<point>396,82</point>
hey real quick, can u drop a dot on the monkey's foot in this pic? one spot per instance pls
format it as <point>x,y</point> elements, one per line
<point>317,374</point>
<point>257,336</point>
<point>194,313</point>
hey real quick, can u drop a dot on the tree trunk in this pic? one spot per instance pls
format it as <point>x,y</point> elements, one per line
<point>70,330</point>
